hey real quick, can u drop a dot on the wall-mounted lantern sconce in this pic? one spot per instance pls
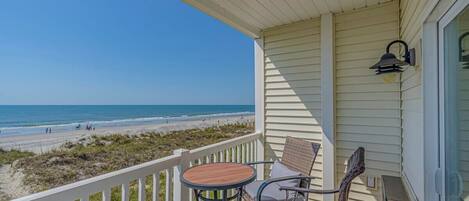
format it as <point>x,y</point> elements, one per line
<point>389,62</point>
<point>464,59</point>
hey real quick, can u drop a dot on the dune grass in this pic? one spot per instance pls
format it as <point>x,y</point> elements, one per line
<point>101,154</point>
<point>8,156</point>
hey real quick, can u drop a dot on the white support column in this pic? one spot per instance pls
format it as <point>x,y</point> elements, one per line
<point>259,101</point>
<point>328,102</point>
<point>180,192</point>
<point>259,83</point>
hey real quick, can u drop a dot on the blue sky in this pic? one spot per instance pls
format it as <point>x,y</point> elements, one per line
<point>120,52</point>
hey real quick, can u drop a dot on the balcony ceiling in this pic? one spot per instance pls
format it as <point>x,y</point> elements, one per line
<point>253,16</point>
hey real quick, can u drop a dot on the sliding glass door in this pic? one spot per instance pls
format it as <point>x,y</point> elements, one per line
<point>455,136</point>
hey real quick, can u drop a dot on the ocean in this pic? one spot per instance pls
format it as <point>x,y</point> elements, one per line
<point>34,119</point>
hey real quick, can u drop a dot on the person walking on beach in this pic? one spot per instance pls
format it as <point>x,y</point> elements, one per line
<point>47,130</point>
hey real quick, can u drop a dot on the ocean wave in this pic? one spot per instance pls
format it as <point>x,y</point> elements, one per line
<point>124,121</point>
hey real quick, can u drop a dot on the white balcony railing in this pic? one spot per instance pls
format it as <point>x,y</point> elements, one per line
<point>241,150</point>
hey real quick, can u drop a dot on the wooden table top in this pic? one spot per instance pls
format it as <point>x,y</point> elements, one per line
<point>218,175</point>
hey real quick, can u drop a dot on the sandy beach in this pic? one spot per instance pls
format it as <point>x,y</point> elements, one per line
<point>40,143</point>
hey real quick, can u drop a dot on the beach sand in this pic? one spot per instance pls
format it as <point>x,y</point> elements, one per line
<point>40,143</point>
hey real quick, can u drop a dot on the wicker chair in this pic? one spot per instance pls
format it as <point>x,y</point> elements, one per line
<point>355,167</point>
<point>298,155</point>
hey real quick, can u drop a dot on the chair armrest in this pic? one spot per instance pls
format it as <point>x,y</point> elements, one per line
<point>306,190</point>
<point>274,180</point>
<point>259,162</point>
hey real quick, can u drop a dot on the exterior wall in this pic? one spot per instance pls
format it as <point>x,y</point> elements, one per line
<point>292,88</point>
<point>411,24</point>
<point>382,113</point>
<point>368,105</point>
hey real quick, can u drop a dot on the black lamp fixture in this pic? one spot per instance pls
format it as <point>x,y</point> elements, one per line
<point>464,59</point>
<point>389,63</point>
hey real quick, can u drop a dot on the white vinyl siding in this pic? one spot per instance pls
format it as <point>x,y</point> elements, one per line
<point>292,88</point>
<point>412,106</point>
<point>368,105</point>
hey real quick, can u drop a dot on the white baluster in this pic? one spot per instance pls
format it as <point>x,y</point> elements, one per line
<point>238,154</point>
<point>156,186</point>
<point>247,146</point>
<point>248,152</point>
<point>260,157</point>
<point>106,195</point>
<point>253,150</point>
<point>125,192</point>
<point>141,189</point>
<point>169,178</point>
<point>233,154</point>
<point>243,153</point>
<point>222,156</point>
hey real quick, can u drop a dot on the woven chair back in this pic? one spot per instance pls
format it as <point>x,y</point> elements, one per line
<point>355,167</point>
<point>299,155</point>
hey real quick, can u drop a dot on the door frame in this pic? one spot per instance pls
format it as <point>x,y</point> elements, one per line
<point>440,12</point>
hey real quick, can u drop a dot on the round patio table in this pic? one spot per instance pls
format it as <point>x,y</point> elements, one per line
<point>218,177</point>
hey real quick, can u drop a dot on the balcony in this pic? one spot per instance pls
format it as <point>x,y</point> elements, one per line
<point>240,150</point>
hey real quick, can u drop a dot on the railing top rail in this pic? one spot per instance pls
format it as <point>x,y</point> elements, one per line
<point>213,148</point>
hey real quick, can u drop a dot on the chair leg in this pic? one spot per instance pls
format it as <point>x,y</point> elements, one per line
<point>196,194</point>
<point>240,194</point>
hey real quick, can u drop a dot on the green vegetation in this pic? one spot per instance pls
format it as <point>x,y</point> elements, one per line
<point>101,154</point>
<point>7,157</point>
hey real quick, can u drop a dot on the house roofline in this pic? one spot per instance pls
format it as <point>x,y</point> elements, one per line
<point>225,16</point>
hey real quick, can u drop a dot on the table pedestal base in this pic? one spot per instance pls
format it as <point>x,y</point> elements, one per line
<point>238,196</point>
